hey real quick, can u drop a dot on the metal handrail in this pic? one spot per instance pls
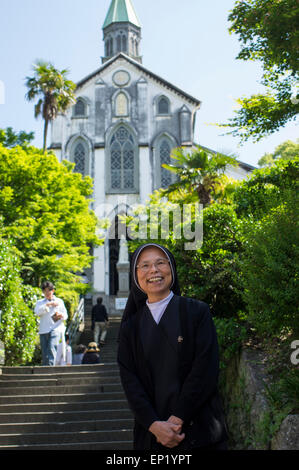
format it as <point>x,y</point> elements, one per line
<point>75,322</point>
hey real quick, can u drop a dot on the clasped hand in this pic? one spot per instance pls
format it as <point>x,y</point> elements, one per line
<point>168,432</point>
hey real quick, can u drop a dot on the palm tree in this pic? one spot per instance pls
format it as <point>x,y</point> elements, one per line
<point>55,92</point>
<point>200,171</point>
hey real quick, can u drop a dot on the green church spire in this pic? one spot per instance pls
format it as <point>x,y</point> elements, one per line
<point>122,31</point>
<point>121,11</point>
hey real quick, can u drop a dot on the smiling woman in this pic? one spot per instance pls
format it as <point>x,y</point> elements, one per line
<point>154,274</point>
<point>168,360</point>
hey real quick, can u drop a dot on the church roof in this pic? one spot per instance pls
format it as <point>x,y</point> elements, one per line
<point>121,11</point>
<point>145,71</point>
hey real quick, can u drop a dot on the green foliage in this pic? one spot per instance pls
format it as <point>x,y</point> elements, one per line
<point>9,138</point>
<point>261,115</point>
<point>199,173</point>
<point>284,393</point>
<point>210,270</point>
<point>268,32</point>
<point>231,335</point>
<point>18,329</point>
<point>269,269</point>
<point>45,210</point>
<point>265,188</point>
<point>287,151</point>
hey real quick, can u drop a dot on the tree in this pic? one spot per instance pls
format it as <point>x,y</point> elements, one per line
<point>45,210</point>
<point>54,91</point>
<point>265,189</point>
<point>199,173</point>
<point>287,150</point>
<point>9,138</point>
<point>268,32</point>
<point>18,329</point>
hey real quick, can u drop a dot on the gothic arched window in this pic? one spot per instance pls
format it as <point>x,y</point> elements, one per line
<point>121,105</point>
<point>122,161</point>
<point>163,105</point>
<point>80,108</point>
<point>80,158</point>
<point>164,154</point>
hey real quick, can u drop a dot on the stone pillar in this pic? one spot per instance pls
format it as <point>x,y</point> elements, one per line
<point>123,268</point>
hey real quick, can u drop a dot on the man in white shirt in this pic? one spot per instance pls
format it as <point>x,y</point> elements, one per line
<point>52,313</point>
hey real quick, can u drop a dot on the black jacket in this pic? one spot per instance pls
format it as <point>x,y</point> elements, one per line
<point>199,403</point>
<point>91,358</point>
<point>98,314</point>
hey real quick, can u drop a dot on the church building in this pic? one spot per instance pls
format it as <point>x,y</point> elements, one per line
<point>124,124</point>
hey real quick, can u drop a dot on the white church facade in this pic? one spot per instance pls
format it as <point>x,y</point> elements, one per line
<point>124,124</point>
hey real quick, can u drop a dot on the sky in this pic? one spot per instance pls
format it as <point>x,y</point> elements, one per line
<point>186,42</point>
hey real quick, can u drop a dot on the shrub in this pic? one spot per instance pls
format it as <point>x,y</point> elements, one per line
<point>269,266</point>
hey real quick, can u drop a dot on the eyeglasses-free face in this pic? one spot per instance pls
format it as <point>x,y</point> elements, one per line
<point>154,273</point>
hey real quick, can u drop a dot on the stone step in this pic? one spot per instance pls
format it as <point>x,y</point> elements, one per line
<point>112,445</point>
<point>17,399</point>
<point>52,382</point>
<point>66,437</point>
<point>70,426</point>
<point>65,416</point>
<point>59,369</point>
<point>71,375</point>
<point>63,389</point>
<point>63,406</point>
<point>66,407</point>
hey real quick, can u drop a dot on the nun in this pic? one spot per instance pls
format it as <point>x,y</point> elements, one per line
<point>168,360</point>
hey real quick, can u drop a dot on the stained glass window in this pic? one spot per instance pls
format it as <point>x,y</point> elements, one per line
<point>79,158</point>
<point>122,159</point>
<point>165,158</point>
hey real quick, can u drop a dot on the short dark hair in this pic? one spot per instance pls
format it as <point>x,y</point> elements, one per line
<point>80,348</point>
<point>99,300</point>
<point>47,285</point>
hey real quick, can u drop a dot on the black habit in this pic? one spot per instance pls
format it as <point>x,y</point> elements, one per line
<point>171,368</point>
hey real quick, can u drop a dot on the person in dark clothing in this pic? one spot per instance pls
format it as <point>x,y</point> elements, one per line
<point>99,321</point>
<point>168,360</point>
<point>91,356</point>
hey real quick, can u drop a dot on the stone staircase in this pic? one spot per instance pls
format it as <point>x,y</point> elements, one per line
<point>67,407</point>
